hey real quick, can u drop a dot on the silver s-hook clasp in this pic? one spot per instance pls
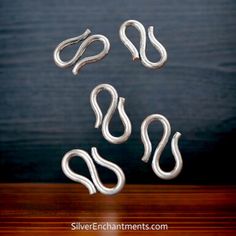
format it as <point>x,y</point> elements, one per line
<point>142,50</point>
<point>87,40</point>
<point>96,182</point>
<point>107,118</point>
<point>157,154</point>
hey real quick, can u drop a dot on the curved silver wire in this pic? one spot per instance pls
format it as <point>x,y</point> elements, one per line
<point>111,166</point>
<point>142,50</point>
<point>93,171</point>
<point>157,154</point>
<point>78,64</point>
<point>76,177</point>
<point>107,118</point>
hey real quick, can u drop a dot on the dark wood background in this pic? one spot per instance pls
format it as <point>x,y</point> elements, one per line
<point>45,110</point>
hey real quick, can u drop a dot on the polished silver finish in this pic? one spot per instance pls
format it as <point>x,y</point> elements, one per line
<point>142,50</point>
<point>157,154</point>
<point>96,182</point>
<point>107,118</point>
<point>87,40</point>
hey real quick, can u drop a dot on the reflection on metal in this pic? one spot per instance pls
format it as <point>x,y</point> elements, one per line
<point>107,118</point>
<point>87,40</point>
<point>142,50</point>
<point>157,154</point>
<point>96,182</point>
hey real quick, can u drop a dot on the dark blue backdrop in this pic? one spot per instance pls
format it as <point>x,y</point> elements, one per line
<point>45,110</point>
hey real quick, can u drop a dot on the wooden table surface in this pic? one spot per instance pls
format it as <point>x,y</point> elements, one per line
<point>49,209</point>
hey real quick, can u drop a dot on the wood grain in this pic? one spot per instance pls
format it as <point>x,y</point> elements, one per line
<point>45,110</point>
<point>49,209</point>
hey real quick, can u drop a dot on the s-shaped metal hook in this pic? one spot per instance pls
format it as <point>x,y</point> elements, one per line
<point>142,48</point>
<point>107,118</point>
<point>157,154</point>
<point>87,40</point>
<point>96,182</point>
